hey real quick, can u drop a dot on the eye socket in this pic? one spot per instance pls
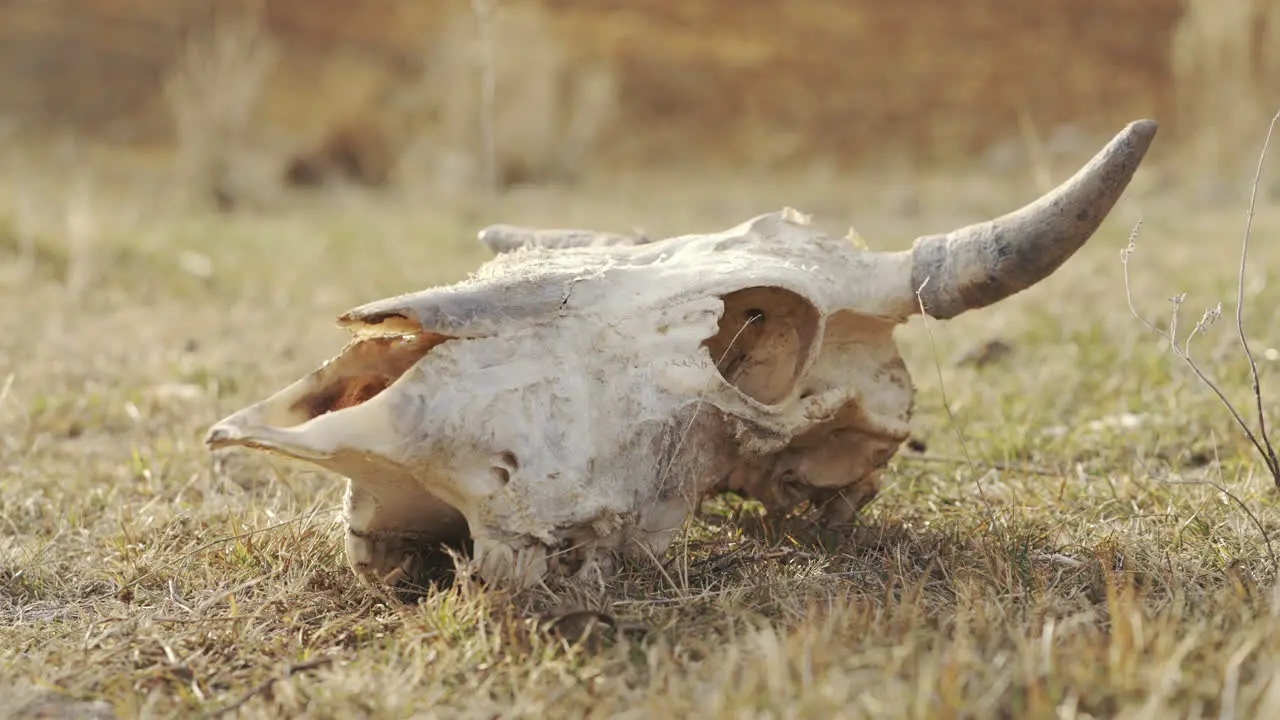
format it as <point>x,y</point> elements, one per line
<point>765,336</point>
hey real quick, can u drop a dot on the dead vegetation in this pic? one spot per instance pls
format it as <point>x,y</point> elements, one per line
<point>1081,531</point>
<point>501,101</point>
<point>354,151</point>
<point>579,86</point>
<point>1075,555</point>
<point>1224,56</point>
<point>213,91</point>
<point>511,95</point>
<point>848,83</point>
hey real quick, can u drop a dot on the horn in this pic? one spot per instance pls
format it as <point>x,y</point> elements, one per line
<point>981,264</point>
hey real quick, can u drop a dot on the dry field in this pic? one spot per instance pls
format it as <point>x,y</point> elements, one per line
<point>1082,532</point>
<point>697,80</point>
<point>1081,529</point>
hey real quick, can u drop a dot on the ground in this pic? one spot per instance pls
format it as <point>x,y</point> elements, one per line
<point>1080,531</point>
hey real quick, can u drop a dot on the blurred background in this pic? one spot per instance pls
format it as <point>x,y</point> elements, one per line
<point>243,104</point>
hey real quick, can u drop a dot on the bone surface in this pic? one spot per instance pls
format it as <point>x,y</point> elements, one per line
<point>583,391</point>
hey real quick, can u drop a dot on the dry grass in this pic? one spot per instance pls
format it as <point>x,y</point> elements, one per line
<point>1224,56</point>
<point>581,85</point>
<point>509,100</point>
<point>856,82</point>
<point>1072,568</point>
<point>213,91</point>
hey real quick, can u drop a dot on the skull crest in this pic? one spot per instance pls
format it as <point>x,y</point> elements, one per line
<point>582,392</point>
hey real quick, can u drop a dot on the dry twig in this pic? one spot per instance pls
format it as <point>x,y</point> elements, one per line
<point>1259,439</point>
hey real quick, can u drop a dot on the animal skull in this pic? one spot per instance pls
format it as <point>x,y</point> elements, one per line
<point>582,392</point>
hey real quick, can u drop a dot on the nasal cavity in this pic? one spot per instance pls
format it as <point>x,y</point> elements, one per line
<point>363,370</point>
<point>764,339</point>
<point>504,464</point>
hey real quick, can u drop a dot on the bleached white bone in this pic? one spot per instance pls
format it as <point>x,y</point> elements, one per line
<point>583,391</point>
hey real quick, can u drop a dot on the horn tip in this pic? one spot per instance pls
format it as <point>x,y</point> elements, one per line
<point>1141,131</point>
<point>976,266</point>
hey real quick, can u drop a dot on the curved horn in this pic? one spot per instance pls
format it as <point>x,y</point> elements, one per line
<point>981,264</point>
<point>505,238</point>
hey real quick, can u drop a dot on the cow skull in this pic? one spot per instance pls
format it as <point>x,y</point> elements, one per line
<point>581,393</point>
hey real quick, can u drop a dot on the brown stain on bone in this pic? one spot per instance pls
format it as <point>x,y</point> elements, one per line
<point>366,368</point>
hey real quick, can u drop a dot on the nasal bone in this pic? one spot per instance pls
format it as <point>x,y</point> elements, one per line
<point>244,429</point>
<point>360,427</point>
<point>236,428</point>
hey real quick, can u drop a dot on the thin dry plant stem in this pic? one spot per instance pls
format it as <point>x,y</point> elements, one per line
<point>229,538</point>
<point>662,479</point>
<point>1244,507</point>
<point>1260,441</point>
<point>1037,155</point>
<point>484,11</point>
<point>684,434</point>
<point>6,387</point>
<point>946,405</point>
<point>1273,463</point>
<point>1002,467</point>
<point>1170,335</point>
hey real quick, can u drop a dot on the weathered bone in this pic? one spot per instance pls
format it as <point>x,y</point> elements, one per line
<point>583,391</point>
<point>505,238</point>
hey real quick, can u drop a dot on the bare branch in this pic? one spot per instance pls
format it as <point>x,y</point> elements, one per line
<point>1182,352</point>
<point>1269,455</point>
<point>1260,440</point>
